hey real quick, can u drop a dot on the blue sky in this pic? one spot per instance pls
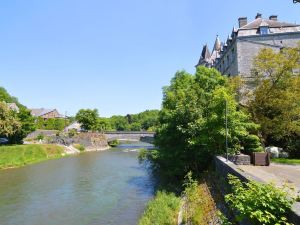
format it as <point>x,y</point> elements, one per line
<point>112,55</point>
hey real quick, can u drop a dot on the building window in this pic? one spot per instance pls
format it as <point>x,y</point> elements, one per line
<point>264,30</point>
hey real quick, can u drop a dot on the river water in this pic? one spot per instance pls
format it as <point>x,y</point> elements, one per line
<point>96,188</point>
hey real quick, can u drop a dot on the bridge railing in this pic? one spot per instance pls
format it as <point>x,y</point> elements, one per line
<point>128,132</point>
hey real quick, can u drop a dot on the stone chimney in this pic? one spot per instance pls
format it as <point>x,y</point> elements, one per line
<point>242,21</point>
<point>273,17</point>
<point>258,16</point>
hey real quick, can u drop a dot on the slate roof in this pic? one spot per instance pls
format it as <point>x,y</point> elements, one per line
<point>41,111</point>
<point>204,57</point>
<point>205,52</point>
<point>255,24</point>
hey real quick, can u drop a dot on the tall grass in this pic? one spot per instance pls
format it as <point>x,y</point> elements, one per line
<point>20,155</point>
<point>163,209</point>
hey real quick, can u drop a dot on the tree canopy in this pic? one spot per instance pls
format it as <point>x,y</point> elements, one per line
<point>18,124</point>
<point>275,104</point>
<point>88,119</point>
<point>9,123</point>
<point>193,122</point>
<point>147,120</point>
<point>6,97</point>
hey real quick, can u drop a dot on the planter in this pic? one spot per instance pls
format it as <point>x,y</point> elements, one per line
<point>261,158</point>
<point>240,159</point>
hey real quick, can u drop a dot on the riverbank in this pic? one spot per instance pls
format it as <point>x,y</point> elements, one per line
<point>20,155</point>
<point>197,204</point>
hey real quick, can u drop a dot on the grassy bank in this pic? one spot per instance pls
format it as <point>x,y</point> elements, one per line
<point>286,161</point>
<point>20,155</point>
<point>163,209</point>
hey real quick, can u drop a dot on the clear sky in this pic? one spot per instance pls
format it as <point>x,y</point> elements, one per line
<point>113,55</point>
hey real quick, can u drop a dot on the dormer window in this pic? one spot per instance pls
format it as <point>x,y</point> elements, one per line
<point>263,30</point>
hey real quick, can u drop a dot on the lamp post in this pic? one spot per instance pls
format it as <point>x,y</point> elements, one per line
<point>226,128</point>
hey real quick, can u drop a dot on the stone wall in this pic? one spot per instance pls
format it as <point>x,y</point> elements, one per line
<point>91,141</point>
<point>223,168</point>
<point>228,64</point>
<point>249,47</point>
<point>45,133</point>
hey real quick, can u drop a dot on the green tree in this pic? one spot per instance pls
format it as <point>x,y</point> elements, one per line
<point>149,119</point>
<point>136,126</point>
<point>103,124</point>
<point>192,122</point>
<point>27,125</point>
<point>51,123</point>
<point>6,97</point>
<point>9,122</point>
<point>275,104</point>
<point>119,123</point>
<point>23,117</point>
<point>88,119</point>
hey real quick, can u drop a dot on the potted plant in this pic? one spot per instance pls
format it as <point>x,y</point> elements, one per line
<point>253,148</point>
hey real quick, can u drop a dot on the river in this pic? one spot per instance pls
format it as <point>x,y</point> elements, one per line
<point>95,188</point>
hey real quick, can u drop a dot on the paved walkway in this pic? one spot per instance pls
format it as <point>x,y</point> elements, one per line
<point>276,173</point>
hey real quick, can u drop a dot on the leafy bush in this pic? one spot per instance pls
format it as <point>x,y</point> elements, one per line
<point>72,133</point>
<point>148,155</point>
<point>40,137</point>
<point>252,144</point>
<point>113,143</point>
<point>259,203</point>
<point>80,147</point>
<point>163,209</point>
<point>51,123</point>
<point>143,155</point>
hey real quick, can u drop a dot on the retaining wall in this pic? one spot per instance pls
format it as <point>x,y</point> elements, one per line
<point>224,167</point>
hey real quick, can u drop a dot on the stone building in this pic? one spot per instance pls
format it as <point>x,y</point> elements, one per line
<point>46,113</point>
<point>13,106</point>
<point>235,55</point>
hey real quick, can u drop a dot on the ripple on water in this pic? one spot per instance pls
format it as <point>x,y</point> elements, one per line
<point>107,187</point>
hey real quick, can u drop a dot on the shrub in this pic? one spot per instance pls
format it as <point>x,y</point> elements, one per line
<point>80,147</point>
<point>163,209</point>
<point>40,137</point>
<point>252,144</point>
<point>259,203</point>
<point>199,205</point>
<point>72,133</point>
<point>113,143</point>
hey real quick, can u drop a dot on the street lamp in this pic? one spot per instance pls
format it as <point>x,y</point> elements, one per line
<point>226,129</point>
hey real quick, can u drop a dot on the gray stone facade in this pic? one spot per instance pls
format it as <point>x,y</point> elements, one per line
<point>248,47</point>
<point>235,55</point>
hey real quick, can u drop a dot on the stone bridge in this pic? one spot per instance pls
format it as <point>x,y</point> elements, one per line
<point>130,136</point>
